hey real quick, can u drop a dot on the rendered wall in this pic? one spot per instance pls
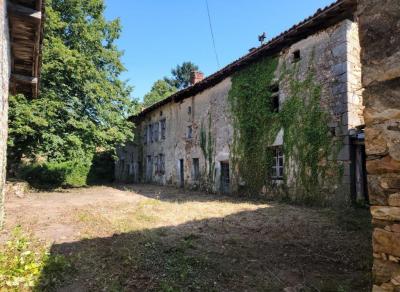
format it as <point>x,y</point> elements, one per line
<point>336,59</point>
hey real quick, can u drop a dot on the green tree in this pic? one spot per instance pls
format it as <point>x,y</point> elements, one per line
<point>181,75</point>
<point>160,90</point>
<point>83,105</point>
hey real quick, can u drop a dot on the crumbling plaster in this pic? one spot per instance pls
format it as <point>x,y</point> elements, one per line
<point>335,53</point>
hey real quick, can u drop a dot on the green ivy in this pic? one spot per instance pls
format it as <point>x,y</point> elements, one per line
<point>255,123</point>
<point>311,169</point>
<point>207,143</point>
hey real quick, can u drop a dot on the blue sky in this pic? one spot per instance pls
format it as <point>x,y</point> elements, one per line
<point>159,34</point>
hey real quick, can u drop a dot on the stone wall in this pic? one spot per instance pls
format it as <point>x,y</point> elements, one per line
<point>379,23</point>
<point>4,79</point>
<point>337,64</point>
<point>335,56</point>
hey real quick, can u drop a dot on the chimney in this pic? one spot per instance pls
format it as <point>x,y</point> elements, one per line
<point>196,76</point>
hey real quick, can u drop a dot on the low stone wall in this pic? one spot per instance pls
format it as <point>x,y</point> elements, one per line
<point>4,79</point>
<point>379,24</point>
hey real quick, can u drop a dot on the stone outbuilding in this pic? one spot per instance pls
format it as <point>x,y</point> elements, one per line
<point>21,26</point>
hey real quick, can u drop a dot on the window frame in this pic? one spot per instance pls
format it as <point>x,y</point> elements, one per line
<point>163,127</point>
<point>156,131</point>
<point>189,134</point>
<point>151,133</point>
<point>278,163</point>
<point>161,161</point>
<point>196,170</point>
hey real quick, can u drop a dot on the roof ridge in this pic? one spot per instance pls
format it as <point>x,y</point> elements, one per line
<point>198,87</point>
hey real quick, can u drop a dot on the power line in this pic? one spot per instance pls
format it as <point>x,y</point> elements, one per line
<point>212,34</point>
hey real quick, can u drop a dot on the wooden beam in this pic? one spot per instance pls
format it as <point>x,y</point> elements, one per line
<point>24,79</point>
<point>20,10</point>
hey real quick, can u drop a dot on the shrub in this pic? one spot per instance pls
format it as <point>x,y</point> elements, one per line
<point>25,263</point>
<point>51,175</point>
<point>102,168</point>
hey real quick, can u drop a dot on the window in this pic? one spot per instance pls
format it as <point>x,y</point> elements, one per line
<point>274,89</point>
<point>277,163</point>
<point>130,165</point>
<point>145,135</point>
<point>151,133</point>
<point>189,110</point>
<point>156,129</point>
<point>163,128</point>
<point>122,165</point>
<point>189,132</point>
<point>156,165</point>
<point>296,56</point>
<point>162,164</point>
<point>196,169</point>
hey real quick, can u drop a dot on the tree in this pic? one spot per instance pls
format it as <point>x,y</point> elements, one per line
<point>160,90</point>
<point>83,104</point>
<point>181,75</point>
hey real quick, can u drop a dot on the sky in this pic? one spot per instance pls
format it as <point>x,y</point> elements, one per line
<point>159,34</point>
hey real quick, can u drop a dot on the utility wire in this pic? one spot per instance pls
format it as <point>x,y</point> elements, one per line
<point>212,34</point>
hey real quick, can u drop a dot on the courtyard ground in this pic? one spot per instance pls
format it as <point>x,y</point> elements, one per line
<point>141,238</point>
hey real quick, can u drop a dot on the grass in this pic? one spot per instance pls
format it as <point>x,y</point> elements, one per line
<point>191,242</point>
<point>25,263</point>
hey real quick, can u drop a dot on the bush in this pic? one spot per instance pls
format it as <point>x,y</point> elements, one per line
<point>25,264</point>
<point>102,169</point>
<point>51,175</point>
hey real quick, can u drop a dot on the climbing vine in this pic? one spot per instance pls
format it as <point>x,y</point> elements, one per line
<point>255,123</point>
<point>207,146</point>
<point>308,145</point>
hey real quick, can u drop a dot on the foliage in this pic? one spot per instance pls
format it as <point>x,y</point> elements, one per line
<point>24,262</point>
<point>207,143</point>
<point>181,75</point>
<point>308,145</point>
<point>102,168</point>
<point>50,175</point>
<point>254,121</point>
<point>307,139</point>
<point>160,90</point>
<point>83,105</point>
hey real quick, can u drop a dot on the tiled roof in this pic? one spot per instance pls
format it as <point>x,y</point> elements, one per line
<point>321,19</point>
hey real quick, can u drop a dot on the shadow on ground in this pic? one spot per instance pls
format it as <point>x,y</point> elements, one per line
<point>246,251</point>
<point>173,194</point>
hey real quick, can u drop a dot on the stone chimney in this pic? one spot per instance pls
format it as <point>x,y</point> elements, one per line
<point>196,76</point>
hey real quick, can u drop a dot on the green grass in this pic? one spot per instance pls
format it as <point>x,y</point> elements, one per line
<point>25,264</point>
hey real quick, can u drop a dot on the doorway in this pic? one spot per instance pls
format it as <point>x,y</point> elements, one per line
<point>225,181</point>
<point>181,173</point>
<point>149,169</point>
<point>358,169</point>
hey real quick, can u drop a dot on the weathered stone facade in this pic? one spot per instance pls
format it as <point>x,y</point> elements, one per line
<point>379,22</point>
<point>4,81</point>
<point>195,149</point>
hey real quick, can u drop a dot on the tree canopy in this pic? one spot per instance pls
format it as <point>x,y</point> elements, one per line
<point>181,75</point>
<point>83,104</point>
<point>160,90</point>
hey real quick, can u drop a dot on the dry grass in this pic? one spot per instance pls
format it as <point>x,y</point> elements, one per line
<point>151,238</point>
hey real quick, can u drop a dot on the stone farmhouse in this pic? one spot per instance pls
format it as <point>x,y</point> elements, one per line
<point>187,139</point>
<point>21,27</point>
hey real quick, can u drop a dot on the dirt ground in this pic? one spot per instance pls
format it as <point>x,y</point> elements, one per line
<point>149,238</point>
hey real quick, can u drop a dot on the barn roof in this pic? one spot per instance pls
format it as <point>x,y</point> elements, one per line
<point>321,19</point>
<point>26,32</point>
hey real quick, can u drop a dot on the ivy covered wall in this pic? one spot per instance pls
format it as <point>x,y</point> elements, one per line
<point>235,122</point>
<point>311,169</point>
